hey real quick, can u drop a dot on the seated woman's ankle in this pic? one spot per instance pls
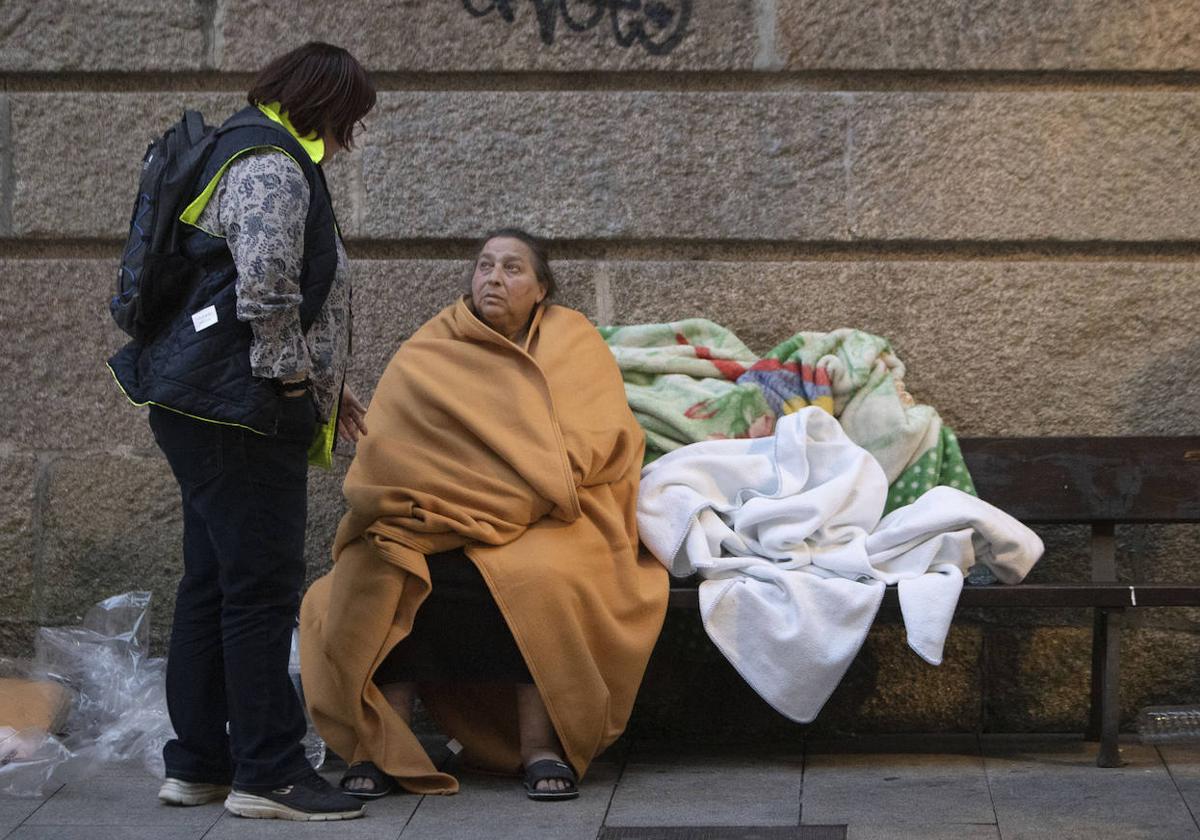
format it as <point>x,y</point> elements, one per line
<point>400,696</point>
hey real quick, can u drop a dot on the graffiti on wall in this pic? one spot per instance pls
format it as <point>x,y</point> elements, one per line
<point>656,25</point>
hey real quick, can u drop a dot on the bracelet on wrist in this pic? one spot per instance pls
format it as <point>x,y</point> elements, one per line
<point>292,389</point>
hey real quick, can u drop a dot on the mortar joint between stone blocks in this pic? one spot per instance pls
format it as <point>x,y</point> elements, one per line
<point>780,79</point>
<point>766,55</point>
<point>602,285</point>
<point>40,513</point>
<point>7,177</point>
<point>848,102</point>
<point>213,32</point>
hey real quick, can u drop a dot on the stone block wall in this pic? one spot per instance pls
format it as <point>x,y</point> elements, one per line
<point>1007,190</point>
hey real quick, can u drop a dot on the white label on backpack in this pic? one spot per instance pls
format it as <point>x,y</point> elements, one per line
<point>205,318</point>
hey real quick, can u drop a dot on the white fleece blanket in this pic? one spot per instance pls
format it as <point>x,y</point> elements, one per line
<point>786,531</point>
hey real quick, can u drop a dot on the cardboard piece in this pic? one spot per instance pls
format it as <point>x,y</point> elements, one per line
<point>40,704</point>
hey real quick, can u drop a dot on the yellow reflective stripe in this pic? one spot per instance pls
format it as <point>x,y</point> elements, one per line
<point>312,144</point>
<point>132,401</point>
<point>192,212</point>
<point>320,451</point>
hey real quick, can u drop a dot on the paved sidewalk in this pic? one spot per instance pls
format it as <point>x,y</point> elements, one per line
<point>878,788</point>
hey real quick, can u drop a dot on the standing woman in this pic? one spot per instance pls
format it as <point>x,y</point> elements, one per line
<point>245,387</point>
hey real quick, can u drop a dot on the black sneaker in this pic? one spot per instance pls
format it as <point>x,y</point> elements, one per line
<point>309,798</point>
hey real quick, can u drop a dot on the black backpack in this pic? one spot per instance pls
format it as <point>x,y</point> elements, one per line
<point>155,275</point>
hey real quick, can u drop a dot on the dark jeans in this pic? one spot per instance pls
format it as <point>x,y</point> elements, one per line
<point>244,508</point>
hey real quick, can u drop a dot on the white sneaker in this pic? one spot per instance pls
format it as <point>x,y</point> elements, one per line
<point>179,792</point>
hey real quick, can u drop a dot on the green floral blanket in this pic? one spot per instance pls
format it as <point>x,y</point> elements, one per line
<point>694,380</point>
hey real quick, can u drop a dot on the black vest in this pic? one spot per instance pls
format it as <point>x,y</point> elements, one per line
<point>205,372</point>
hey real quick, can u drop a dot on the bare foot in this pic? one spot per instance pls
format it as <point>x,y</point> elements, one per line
<point>548,785</point>
<point>367,780</point>
<point>538,738</point>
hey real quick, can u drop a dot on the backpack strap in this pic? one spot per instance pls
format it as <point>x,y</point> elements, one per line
<point>194,124</point>
<point>245,131</point>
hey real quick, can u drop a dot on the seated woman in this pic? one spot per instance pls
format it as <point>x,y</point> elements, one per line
<point>489,560</point>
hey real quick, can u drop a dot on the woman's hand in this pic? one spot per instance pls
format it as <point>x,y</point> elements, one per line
<point>350,417</point>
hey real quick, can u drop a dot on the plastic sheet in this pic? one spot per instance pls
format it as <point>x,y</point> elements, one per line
<point>119,709</point>
<point>1169,725</point>
<point>28,759</point>
<point>116,699</point>
<point>314,746</point>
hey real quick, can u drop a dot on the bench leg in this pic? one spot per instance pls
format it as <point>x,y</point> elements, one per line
<point>1099,634</point>
<point>1105,716</point>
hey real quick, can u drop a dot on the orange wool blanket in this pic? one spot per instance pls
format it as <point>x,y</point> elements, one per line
<point>529,457</point>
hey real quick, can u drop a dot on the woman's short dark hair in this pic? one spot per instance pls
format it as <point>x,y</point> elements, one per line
<point>541,258</point>
<point>321,88</point>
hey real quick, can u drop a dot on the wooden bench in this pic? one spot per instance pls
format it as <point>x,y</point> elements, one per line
<point>1097,481</point>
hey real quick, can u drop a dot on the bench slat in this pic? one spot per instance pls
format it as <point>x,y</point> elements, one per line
<point>1089,479</point>
<point>1038,595</point>
<point>1081,595</point>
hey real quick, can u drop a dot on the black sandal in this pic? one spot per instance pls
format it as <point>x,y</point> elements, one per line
<point>544,770</point>
<point>382,784</point>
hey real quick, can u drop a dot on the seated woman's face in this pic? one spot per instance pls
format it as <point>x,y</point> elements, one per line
<point>504,287</point>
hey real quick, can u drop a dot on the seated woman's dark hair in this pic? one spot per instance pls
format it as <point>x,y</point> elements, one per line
<point>320,87</point>
<point>541,258</point>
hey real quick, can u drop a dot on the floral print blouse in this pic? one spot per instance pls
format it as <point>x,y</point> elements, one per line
<point>259,207</point>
